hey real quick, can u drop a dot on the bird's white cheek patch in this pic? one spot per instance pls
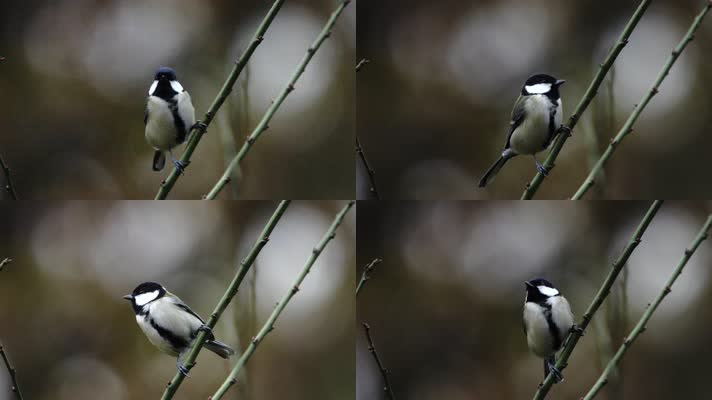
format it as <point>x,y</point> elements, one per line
<point>152,88</point>
<point>547,291</point>
<point>176,86</point>
<point>144,298</point>
<point>539,88</point>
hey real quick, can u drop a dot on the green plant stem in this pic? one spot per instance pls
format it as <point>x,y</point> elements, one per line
<point>362,63</point>
<point>628,126</point>
<point>366,273</point>
<point>371,173</point>
<point>565,130</point>
<point>267,117</point>
<point>197,132</point>
<point>13,374</point>
<point>640,327</point>
<point>231,291</point>
<point>4,262</point>
<point>269,325</point>
<point>603,291</point>
<point>384,372</point>
<point>9,186</point>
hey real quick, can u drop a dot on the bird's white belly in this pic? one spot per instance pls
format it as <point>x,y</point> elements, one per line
<point>533,133</point>
<point>160,128</point>
<point>539,338</point>
<point>155,338</point>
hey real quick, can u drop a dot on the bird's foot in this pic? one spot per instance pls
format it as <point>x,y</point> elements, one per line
<point>556,373</point>
<point>576,329</point>
<point>199,125</point>
<point>183,370</point>
<point>540,168</point>
<point>205,329</point>
<point>180,165</point>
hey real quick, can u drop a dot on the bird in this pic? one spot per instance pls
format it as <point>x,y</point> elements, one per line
<point>169,324</point>
<point>547,322</point>
<point>536,117</point>
<point>168,117</point>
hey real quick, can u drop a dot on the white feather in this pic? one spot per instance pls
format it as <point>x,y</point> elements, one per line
<point>176,86</point>
<point>539,88</point>
<point>539,338</point>
<point>561,315</point>
<point>165,313</point>
<point>152,88</point>
<point>529,137</point>
<point>547,291</point>
<point>144,298</point>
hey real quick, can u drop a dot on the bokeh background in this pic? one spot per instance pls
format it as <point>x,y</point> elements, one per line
<point>77,72</point>
<point>434,103</point>
<point>71,335</point>
<point>445,304</point>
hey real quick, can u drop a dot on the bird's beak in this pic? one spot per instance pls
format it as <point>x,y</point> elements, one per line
<point>529,284</point>
<point>128,297</point>
<point>559,82</point>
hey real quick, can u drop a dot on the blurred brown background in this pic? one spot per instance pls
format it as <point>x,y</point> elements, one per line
<point>434,103</point>
<point>77,72</point>
<point>71,335</point>
<point>445,305</point>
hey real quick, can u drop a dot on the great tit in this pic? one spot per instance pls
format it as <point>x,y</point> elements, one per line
<point>168,117</point>
<point>536,117</point>
<point>547,322</point>
<point>169,323</point>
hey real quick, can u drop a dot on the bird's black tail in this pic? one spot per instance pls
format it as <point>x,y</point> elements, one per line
<point>219,348</point>
<point>492,171</point>
<point>159,160</point>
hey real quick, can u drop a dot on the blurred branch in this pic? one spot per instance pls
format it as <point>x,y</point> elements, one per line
<point>384,372</point>
<point>228,144</point>
<point>263,125</point>
<point>628,126</point>
<point>640,326</point>
<point>15,388</point>
<point>365,275</point>
<point>8,179</point>
<point>4,262</point>
<point>603,291</point>
<point>231,291</point>
<point>269,325</point>
<point>369,170</point>
<point>565,130</point>
<point>362,63</point>
<point>197,132</point>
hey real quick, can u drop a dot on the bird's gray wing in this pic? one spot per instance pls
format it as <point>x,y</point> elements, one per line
<point>178,302</point>
<point>517,118</point>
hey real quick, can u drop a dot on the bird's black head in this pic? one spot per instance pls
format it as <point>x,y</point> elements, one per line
<point>538,290</point>
<point>144,294</point>
<point>165,73</point>
<point>542,84</point>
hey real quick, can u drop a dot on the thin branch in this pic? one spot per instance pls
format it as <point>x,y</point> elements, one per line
<point>366,273</point>
<point>8,179</point>
<point>197,132</point>
<point>15,388</point>
<point>269,325</point>
<point>640,326</point>
<point>369,170</point>
<point>565,130</point>
<point>231,291</point>
<point>4,262</point>
<point>384,372</point>
<point>603,291</point>
<point>362,63</point>
<point>628,126</point>
<point>288,88</point>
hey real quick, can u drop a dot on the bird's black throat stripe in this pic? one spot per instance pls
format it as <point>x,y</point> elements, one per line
<point>181,132</point>
<point>552,327</point>
<point>177,342</point>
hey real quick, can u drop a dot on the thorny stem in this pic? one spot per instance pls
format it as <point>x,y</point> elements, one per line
<point>231,291</point>
<point>13,374</point>
<point>628,126</point>
<point>384,372</point>
<point>362,63</point>
<point>366,273</point>
<point>197,132</point>
<point>4,262</point>
<point>641,325</point>
<point>267,117</point>
<point>371,173</point>
<point>269,325</point>
<point>603,291</point>
<point>9,186</point>
<point>565,130</point>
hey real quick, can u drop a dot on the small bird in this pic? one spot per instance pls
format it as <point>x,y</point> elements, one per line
<point>536,117</point>
<point>547,322</point>
<point>169,323</point>
<point>168,117</point>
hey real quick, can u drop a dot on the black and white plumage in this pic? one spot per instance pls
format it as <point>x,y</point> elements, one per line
<point>169,116</point>
<point>536,117</point>
<point>547,321</point>
<point>170,324</point>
